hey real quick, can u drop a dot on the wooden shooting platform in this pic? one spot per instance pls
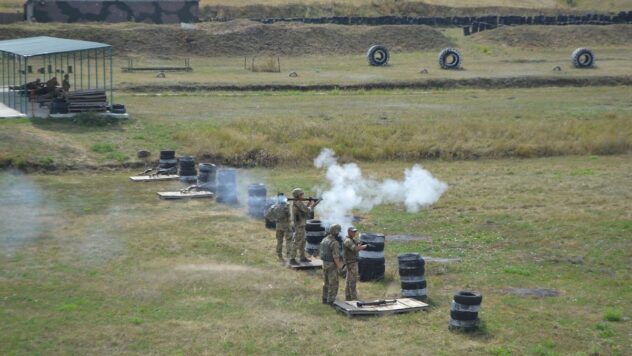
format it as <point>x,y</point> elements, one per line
<point>187,195</point>
<point>155,178</point>
<point>315,263</point>
<point>401,305</point>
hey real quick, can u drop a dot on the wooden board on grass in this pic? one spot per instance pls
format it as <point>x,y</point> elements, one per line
<point>155,178</point>
<point>187,195</point>
<point>402,305</point>
<point>315,263</point>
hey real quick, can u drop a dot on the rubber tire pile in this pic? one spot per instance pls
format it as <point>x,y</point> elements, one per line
<point>377,55</point>
<point>168,163</point>
<point>371,260</point>
<point>583,58</point>
<point>257,193</point>
<point>411,275</point>
<point>206,176</point>
<point>188,173</point>
<point>314,235</point>
<point>464,311</point>
<point>227,186</point>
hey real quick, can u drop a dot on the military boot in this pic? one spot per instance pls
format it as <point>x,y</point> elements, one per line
<point>293,262</point>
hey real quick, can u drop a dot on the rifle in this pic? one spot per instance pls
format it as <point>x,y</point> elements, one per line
<point>361,304</point>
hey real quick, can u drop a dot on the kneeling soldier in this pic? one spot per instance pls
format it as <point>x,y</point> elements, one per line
<point>332,266</point>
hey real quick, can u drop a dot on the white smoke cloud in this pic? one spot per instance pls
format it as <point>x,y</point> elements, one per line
<point>349,190</point>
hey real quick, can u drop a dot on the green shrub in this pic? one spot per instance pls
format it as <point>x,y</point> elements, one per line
<point>103,147</point>
<point>612,315</point>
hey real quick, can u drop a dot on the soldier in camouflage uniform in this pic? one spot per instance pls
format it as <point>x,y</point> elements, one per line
<point>351,249</point>
<point>332,265</point>
<point>300,213</point>
<point>280,213</point>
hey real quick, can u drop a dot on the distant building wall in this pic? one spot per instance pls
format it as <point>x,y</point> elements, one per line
<point>156,11</point>
<point>10,17</point>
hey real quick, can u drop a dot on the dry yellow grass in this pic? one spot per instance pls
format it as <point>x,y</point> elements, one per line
<point>616,5</point>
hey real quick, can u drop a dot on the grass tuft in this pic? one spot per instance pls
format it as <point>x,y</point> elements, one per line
<point>613,315</point>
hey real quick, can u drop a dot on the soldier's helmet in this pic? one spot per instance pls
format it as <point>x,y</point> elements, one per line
<point>282,199</point>
<point>335,229</point>
<point>297,192</point>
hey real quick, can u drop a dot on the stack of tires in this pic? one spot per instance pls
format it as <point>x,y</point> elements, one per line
<point>206,176</point>
<point>226,186</point>
<point>411,275</point>
<point>269,202</point>
<point>188,173</point>
<point>257,193</point>
<point>168,163</point>
<point>371,260</point>
<point>464,311</point>
<point>314,234</point>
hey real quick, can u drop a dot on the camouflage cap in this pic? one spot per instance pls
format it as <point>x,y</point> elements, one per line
<point>335,229</point>
<point>297,192</point>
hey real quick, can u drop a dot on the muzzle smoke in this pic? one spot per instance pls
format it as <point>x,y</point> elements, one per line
<point>349,190</point>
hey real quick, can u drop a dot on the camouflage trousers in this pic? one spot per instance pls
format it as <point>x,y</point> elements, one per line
<point>298,243</point>
<point>351,292</point>
<point>330,285</point>
<point>283,233</point>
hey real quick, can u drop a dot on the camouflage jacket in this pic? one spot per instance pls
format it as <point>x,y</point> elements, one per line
<point>350,253</point>
<point>300,213</point>
<point>279,213</point>
<point>329,248</point>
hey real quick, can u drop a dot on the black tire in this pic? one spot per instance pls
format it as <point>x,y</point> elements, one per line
<point>463,316</point>
<point>314,225</point>
<point>412,271</point>
<point>378,55</point>
<point>167,154</point>
<point>375,240</point>
<point>118,109</point>
<point>583,58</point>
<point>449,58</point>
<point>468,298</point>
<point>257,190</point>
<point>316,240</point>
<point>371,269</point>
<point>414,285</point>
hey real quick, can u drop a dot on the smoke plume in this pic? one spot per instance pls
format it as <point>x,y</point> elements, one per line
<point>349,189</point>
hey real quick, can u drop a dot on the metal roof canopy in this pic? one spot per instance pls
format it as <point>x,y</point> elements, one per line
<point>44,45</point>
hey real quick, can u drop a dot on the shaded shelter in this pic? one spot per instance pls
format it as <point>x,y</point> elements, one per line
<point>23,61</point>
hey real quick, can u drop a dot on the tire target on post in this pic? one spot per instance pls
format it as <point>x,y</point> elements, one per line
<point>583,58</point>
<point>449,58</point>
<point>378,55</point>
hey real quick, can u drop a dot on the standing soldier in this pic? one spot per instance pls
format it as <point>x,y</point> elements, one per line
<point>351,249</point>
<point>332,265</point>
<point>280,213</point>
<point>301,213</point>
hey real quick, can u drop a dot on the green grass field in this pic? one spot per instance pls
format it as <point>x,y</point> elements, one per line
<point>92,263</point>
<point>290,128</point>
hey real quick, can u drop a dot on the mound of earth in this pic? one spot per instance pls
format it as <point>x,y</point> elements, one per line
<point>237,38</point>
<point>370,8</point>
<point>558,36</point>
